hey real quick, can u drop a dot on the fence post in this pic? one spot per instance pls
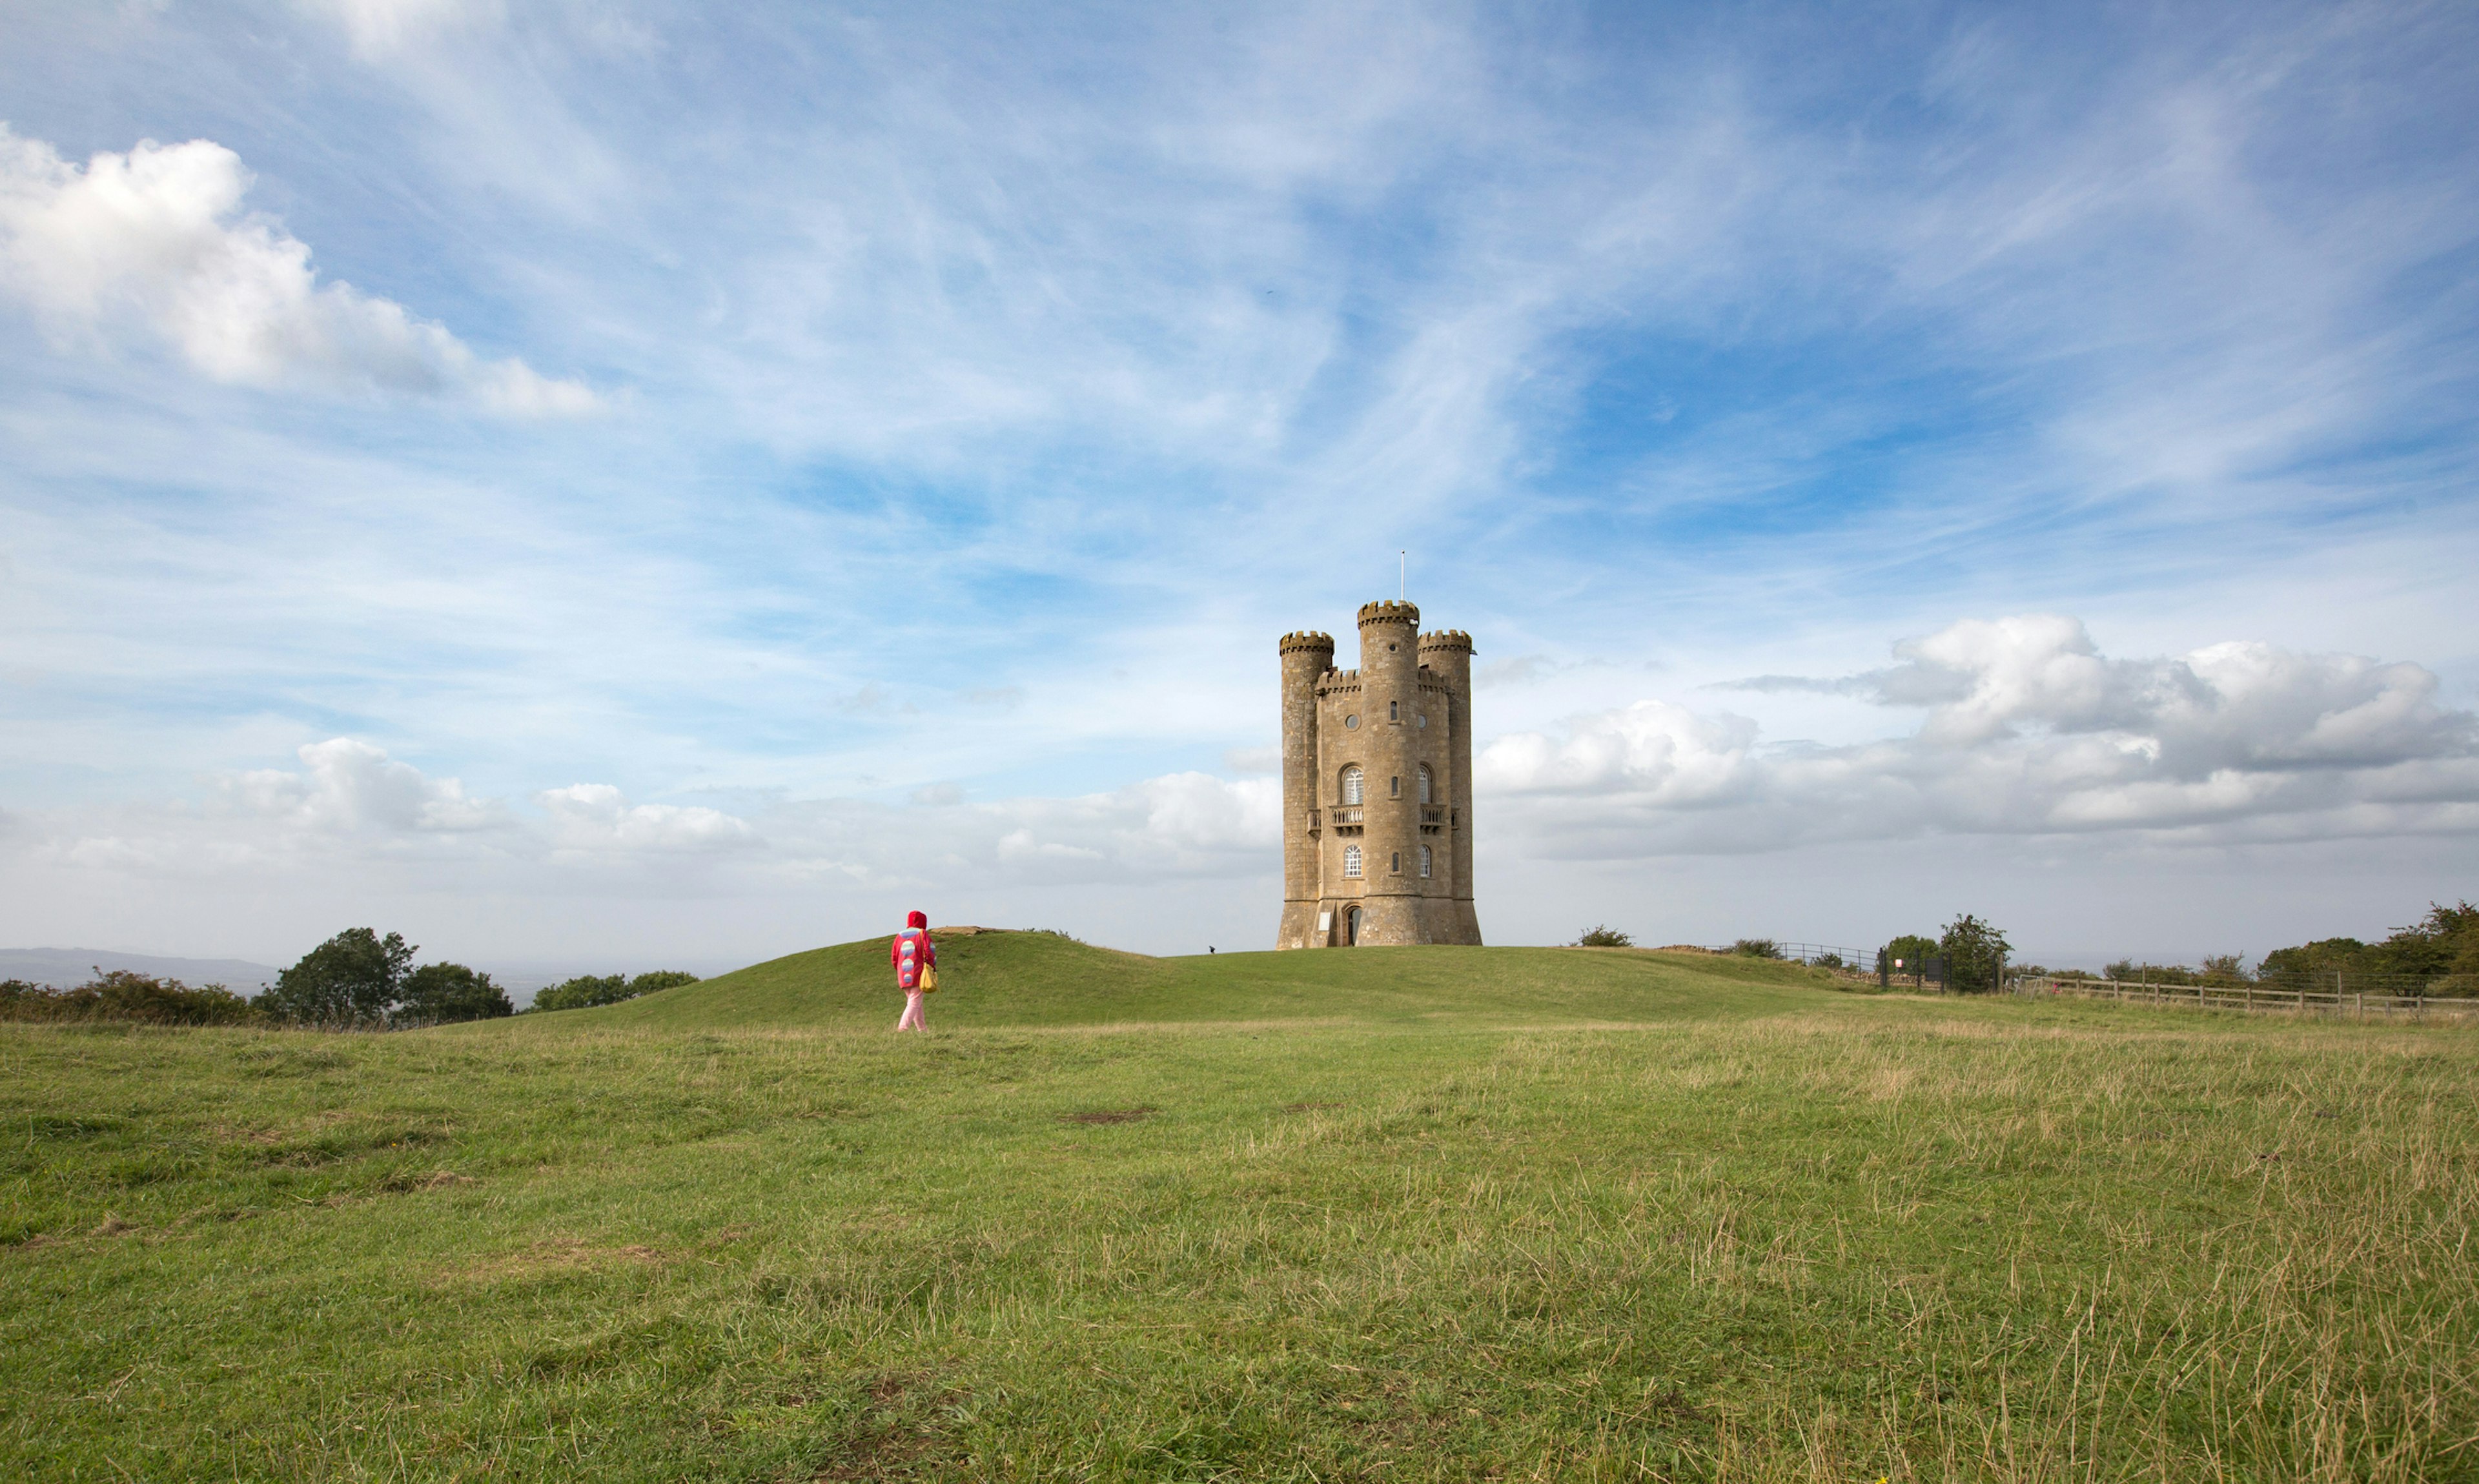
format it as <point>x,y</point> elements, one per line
<point>2250,997</point>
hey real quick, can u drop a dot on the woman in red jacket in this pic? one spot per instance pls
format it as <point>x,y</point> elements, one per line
<point>912,953</point>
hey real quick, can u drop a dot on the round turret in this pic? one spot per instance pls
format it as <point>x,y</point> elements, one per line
<point>1386,610</point>
<point>1304,641</point>
<point>1446,639</point>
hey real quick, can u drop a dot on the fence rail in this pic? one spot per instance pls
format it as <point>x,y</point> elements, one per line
<point>1863,959</point>
<point>2263,999</point>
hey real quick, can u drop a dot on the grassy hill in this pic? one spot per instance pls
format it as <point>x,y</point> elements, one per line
<point>996,978</point>
<point>1387,1215</point>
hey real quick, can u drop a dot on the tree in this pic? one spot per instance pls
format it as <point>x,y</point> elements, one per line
<point>354,978</point>
<point>587,990</point>
<point>583,992</point>
<point>441,993</point>
<point>2225,969</point>
<point>1903,954</point>
<point>1598,936</point>
<point>1975,955</point>
<point>2429,947</point>
<point>2318,960</point>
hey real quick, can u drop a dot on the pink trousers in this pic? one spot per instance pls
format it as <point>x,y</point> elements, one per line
<point>912,1020</point>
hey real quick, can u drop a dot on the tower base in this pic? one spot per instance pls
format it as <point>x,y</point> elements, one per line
<point>1384,921</point>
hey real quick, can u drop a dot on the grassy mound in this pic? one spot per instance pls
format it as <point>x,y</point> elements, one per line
<point>1881,1236</point>
<point>1001,979</point>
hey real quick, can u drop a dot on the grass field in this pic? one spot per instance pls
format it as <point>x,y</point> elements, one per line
<point>1393,1215</point>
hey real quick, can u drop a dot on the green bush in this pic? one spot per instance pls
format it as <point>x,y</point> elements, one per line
<point>354,979</point>
<point>587,990</point>
<point>125,995</point>
<point>1598,936</point>
<point>1975,955</point>
<point>1907,951</point>
<point>443,993</point>
<point>1756,947</point>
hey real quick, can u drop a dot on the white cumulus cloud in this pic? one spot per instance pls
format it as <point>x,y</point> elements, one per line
<point>2028,729</point>
<point>347,786</point>
<point>596,817</point>
<point>156,241</point>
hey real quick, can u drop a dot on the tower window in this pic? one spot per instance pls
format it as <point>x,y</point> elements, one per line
<point>1351,860</point>
<point>1394,788</point>
<point>1397,866</point>
<point>1351,785</point>
<point>1352,722</point>
<point>1394,710</point>
<point>1424,860</point>
<point>1425,788</point>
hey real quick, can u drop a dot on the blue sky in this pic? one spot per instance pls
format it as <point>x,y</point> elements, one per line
<point>590,483</point>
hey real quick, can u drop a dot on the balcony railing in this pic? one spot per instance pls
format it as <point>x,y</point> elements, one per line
<point>1347,814</point>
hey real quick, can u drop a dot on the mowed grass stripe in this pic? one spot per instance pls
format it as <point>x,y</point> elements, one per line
<point>1761,1231</point>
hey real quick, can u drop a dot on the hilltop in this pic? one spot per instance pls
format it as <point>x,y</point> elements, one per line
<point>997,978</point>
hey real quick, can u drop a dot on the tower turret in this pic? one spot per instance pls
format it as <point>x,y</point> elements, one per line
<point>1390,686</point>
<point>1447,654</point>
<point>1307,656</point>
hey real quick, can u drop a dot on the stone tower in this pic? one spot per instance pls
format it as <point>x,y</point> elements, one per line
<point>1377,844</point>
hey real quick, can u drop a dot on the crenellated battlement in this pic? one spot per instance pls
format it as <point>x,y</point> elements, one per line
<point>1447,639</point>
<point>1386,610</point>
<point>1306,641</point>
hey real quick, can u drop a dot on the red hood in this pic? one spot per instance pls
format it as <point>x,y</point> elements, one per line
<point>917,920</point>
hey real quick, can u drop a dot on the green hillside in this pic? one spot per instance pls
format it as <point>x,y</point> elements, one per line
<point>1000,978</point>
<point>1392,1215</point>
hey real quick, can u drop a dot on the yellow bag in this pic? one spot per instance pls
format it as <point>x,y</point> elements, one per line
<point>928,981</point>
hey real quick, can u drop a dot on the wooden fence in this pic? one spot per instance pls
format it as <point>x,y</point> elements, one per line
<point>2259,998</point>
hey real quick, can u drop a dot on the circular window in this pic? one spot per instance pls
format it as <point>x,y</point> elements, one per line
<point>1351,721</point>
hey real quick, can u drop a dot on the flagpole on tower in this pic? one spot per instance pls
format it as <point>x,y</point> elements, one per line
<point>1403,575</point>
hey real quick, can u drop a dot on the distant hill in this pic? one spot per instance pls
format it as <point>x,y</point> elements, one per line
<point>64,967</point>
<point>995,979</point>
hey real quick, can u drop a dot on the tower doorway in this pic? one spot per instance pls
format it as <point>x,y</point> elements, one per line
<point>1351,928</point>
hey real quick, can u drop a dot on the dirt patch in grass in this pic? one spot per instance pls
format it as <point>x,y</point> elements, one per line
<point>549,1259</point>
<point>1108,1116</point>
<point>907,1449</point>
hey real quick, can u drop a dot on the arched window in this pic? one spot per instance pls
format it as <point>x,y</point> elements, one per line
<point>1392,713</point>
<point>1425,783</point>
<point>1424,860</point>
<point>1351,860</point>
<point>1397,867</point>
<point>1394,787</point>
<point>1351,785</point>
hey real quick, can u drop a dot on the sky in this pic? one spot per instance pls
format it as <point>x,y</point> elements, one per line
<point>599,486</point>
